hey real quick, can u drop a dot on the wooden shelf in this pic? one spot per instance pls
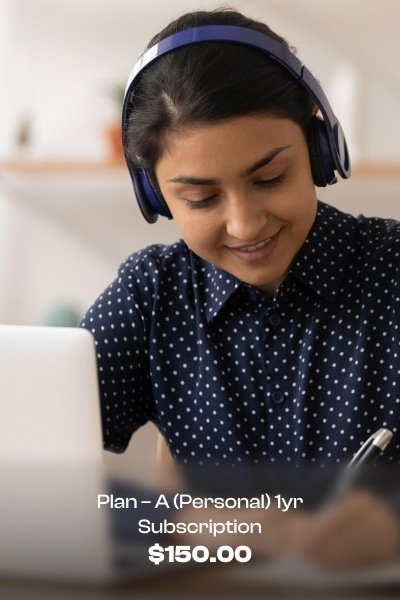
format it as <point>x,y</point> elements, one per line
<point>49,166</point>
<point>376,170</point>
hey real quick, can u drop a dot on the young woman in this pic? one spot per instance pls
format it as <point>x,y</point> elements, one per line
<point>269,333</point>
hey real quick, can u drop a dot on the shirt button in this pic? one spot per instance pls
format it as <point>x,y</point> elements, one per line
<point>274,319</point>
<point>278,397</point>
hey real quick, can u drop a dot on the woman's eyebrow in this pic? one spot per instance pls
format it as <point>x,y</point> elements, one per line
<point>254,167</point>
<point>266,159</point>
<point>193,180</point>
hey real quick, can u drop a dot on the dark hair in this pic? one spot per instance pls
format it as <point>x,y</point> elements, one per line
<point>206,83</point>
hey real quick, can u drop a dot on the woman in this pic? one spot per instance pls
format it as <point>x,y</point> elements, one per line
<point>269,332</point>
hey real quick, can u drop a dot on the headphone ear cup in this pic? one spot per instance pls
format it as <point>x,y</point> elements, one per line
<point>147,199</point>
<point>145,208</point>
<point>322,167</point>
<point>154,198</point>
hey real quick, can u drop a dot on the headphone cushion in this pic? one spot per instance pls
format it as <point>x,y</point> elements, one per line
<point>153,199</point>
<point>315,152</point>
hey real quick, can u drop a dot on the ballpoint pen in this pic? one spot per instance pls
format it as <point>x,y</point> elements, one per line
<point>370,450</point>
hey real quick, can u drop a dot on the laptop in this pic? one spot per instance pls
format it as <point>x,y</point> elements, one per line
<point>51,463</point>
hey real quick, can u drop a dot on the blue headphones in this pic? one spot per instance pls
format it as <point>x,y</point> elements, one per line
<point>327,144</point>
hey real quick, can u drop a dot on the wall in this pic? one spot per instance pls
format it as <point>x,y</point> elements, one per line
<point>64,237</point>
<point>62,60</point>
<point>59,59</point>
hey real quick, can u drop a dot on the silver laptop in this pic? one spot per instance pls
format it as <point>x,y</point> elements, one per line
<point>51,461</point>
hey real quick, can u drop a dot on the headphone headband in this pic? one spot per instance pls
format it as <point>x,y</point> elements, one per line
<point>334,142</point>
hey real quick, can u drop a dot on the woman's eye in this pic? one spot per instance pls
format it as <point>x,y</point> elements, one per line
<point>207,202</point>
<point>271,182</point>
<point>194,204</point>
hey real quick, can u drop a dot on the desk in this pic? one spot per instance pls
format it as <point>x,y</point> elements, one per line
<point>197,583</point>
<point>79,538</point>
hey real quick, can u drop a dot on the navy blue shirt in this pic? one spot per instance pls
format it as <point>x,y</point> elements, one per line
<point>229,374</point>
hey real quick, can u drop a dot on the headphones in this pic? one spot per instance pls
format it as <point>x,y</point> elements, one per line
<point>327,144</point>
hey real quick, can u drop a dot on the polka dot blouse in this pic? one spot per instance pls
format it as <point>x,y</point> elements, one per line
<point>229,374</point>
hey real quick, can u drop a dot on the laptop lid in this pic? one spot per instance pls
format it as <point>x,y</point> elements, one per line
<point>49,396</point>
<point>51,456</point>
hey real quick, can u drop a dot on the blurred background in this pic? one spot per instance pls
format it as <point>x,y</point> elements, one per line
<point>67,213</point>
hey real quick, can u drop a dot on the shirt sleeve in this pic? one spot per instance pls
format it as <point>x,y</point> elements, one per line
<point>119,327</point>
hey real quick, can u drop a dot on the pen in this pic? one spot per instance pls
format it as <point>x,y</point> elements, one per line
<point>370,450</point>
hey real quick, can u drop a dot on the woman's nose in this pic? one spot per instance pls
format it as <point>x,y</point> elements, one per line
<point>244,219</point>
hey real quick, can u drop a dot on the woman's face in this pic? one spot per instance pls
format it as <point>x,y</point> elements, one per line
<point>242,194</point>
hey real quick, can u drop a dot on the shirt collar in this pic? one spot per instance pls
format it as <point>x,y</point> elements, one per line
<point>321,261</point>
<point>218,287</point>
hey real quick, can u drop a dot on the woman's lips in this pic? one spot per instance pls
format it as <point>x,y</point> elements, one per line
<point>255,252</point>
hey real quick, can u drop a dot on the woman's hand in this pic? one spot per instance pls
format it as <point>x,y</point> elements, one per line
<point>359,531</point>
